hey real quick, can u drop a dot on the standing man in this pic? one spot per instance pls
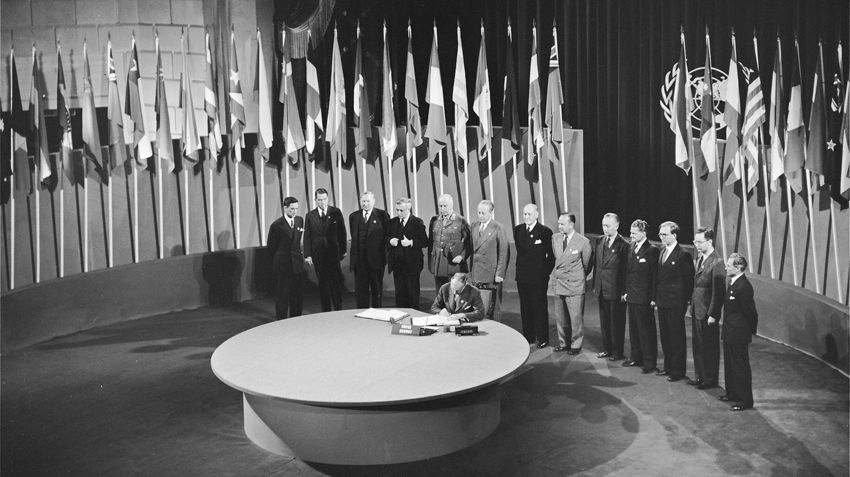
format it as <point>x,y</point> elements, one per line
<point>706,305</point>
<point>324,247</point>
<point>288,261</point>
<point>406,239</point>
<point>740,323</point>
<point>569,279</point>
<point>490,255</point>
<point>673,289</point>
<point>368,243</point>
<point>448,242</point>
<point>609,278</point>
<point>534,262</point>
<point>641,270</point>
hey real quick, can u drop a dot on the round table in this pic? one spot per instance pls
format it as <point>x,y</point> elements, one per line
<point>336,389</point>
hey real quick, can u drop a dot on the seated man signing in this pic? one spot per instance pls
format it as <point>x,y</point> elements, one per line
<point>458,300</point>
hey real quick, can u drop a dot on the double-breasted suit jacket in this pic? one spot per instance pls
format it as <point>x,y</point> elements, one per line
<point>534,260</point>
<point>368,237</point>
<point>675,281</point>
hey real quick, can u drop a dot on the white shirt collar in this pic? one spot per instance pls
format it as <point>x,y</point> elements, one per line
<point>569,236</point>
<point>638,245</point>
<point>732,280</point>
<point>671,247</point>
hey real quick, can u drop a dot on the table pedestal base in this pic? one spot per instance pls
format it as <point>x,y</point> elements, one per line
<point>372,435</point>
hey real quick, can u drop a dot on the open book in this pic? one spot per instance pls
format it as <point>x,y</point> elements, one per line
<point>433,320</point>
<point>381,314</point>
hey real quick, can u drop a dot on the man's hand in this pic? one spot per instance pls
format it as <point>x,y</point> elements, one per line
<point>394,242</point>
<point>309,261</point>
<point>457,316</point>
<point>457,259</point>
<point>711,320</point>
<point>499,279</point>
<point>624,297</point>
<point>406,242</point>
<point>444,312</point>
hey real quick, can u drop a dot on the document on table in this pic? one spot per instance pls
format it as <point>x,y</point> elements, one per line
<point>433,320</point>
<point>380,314</point>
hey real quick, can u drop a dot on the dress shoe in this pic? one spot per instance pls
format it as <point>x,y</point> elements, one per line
<point>574,351</point>
<point>673,379</point>
<point>724,398</point>
<point>704,386</point>
<point>616,358</point>
<point>740,407</point>
<point>647,371</point>
<point>603,354</point>
<point>559,348</point>
<point>542,345</point>
<point>629,364</point>
<point>662,372</point>
<point>694,382</point>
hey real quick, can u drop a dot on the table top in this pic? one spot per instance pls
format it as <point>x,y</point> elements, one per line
<point>337,359</point>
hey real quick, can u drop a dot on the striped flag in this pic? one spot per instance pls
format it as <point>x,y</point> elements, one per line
<point>313,106</point>
<point>554,99</point>
<point>833,144</point>
<point>461,105</point>
<point>411,97</point>
<point>91,134</point>
<point>237,106</point>
<point>732,115</point>
<point>63,114</point>
<point>435,130</point>
<point>510,109</point>
<point>777,120</point>
<point>816,146</point>
<point>164,145</point>
<point>707,129</point>
<point>293,135</point>
<point>680,122</point>
<point>336,127</point>
<point>265,135</point>
<point>117,147</point>
<point>754,116</point>
<point>362,124</point>
<point>388,137</point>
<point>133,108</point>
<point>535,125</point>
<point>189,129</point>
<point>795,131</point>
<point>844,187</point>
<point>38,127</point>
<point>481,104</point>
<point>211,105</point>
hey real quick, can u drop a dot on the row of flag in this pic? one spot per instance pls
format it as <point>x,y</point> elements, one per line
<point>822,152</point>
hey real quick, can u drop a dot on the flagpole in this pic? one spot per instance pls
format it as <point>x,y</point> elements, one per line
<point>340,202</point>
<point>313,178</point>
<point>440,158</point>
<point>286,173</point>
<point>490,173</point>
<point>390,179</point>
<point>745,199</point>
<point>37,186</point>
<point>564,176</point>
<point>516,185</point>
<point>263,195</point>
<point>839,286</point>
<point>466,186</point>
<point>415,168</point>
<point>136,213</point>
<point>363,161</point>
<point>12,188</point>
<point>690,144</point>
<point>85,217</point>
<point>61,217</point>
<point>210,210</point>
<point>811,215</point>
<point>186,204</point>
<point>159,204</point>
<point>238,152</point>
<point>540,179</point>
<point>760,140</point>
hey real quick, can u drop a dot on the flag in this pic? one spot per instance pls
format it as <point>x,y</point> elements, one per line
<point>844,187</point>
<point>481,104</point>
<point>362,124</point>
<point>510,109</point>
<point>816,146</point>
<point>754,116</point>
<point>164,146</point>
<point>833,144</point>
<point>461,104</point>
<point>63,115</point>
<point>795,131</point>
<point>191,136</point>
<point>237,106</point>
<point>133,108</point>
<point>91,134</point>
<point>117,147</point>
<point>211,106</point>
<point>707,129</point>
<point>680,121</point>
<point>388,137</point>
<point>435,130</point>
<point>777,119</point>
<point>411,97</point>
<point>293,135</point>
<point>336,128</point>
<point>19,124</point>
<point>535,125</point>
<point>264,103</point>
<point>554,99</point>
<point>732,116</point>
<point>38,127</point>
<point>313,106</point>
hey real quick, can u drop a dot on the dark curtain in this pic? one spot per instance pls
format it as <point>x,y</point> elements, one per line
<point>614,55</point>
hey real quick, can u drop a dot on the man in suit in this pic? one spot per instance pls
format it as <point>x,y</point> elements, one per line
<point>405,240</point>
<point>706,306</point>
<point>288,261</point>
<point>641,269</point>
<point>569,282</point>
<point>534,262</point>
<point>368,228</point>
<point>459,300</point>
<point>325,244</point>
<point>490,255</point>
<point>448,242</point>
<point>609,278</point>
<point>740,323</point>
<point>673,288</point>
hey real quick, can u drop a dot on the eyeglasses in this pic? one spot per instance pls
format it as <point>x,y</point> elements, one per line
<point>661,234</point>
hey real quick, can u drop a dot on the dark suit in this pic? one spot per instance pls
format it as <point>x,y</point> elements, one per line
<point>288,265</point>
<point>534,262</point>
<point>368,255</point>
<point>641,271</point>
<point>740,323</point>
<point>406,263</point>
<point>609,282</point>
<point>673,288</point>
<point>467,301</point>
<point>325,241</point>
<point>707,300</point>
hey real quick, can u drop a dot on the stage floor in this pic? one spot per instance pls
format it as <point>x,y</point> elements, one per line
<point>139,398</point>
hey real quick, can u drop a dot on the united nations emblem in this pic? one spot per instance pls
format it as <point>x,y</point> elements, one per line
<point>696,81</point>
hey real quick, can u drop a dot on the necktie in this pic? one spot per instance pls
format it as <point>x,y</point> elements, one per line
<point>321,213</point>
<point>637,247</point>
<point>699,262</point>
<point>481,229</point>
<point>664,255</point>
<point>566,239</point>
<point>610,242</point>
<point>403,222</point>
<point>365,216</point>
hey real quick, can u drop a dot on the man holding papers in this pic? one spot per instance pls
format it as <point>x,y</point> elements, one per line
<point>458,300</point>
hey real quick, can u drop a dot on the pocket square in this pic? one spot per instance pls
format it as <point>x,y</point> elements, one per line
<point>537,242</point>
<point>731,297</point>
<point>574,252</point>
<point>672,263</point>
<point>643,260</point>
